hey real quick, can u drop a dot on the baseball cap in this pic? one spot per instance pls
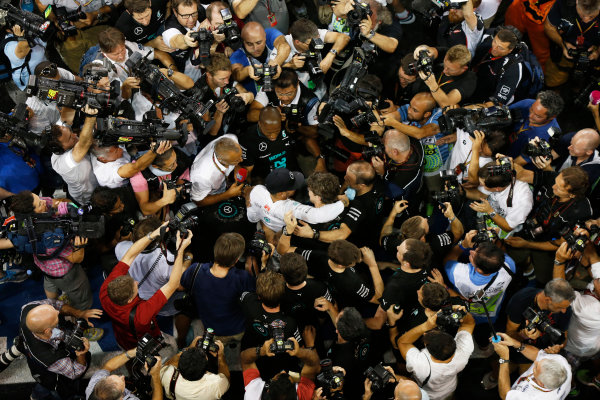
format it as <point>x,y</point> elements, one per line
<point>282,180</point>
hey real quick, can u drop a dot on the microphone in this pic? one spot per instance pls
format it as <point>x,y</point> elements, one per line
<point>595,97</point>
<point>242,174</point>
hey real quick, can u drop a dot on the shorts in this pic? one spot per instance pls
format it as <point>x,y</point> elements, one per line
<point>76,286</point>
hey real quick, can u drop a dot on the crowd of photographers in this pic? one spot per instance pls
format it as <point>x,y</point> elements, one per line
<point>353,198</point>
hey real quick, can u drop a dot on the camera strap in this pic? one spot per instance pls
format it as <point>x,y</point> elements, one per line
<point>428,376</point>
<point>174,378</point>
<point>140,283</point>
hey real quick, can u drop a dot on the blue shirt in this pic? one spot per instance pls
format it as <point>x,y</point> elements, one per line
<point>476,280</point>
<point>16,174</point>
<point>241,57</point>
<point>21,76</point>
<point>435,156</point>
<point>522,133</point>
<point>217,299</point>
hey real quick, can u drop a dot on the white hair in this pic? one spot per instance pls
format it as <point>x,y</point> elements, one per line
<point>551,374</point>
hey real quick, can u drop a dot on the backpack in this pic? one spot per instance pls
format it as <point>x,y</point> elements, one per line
<point>6,70</point>
<point>25,239</point>
<point>533,82</point>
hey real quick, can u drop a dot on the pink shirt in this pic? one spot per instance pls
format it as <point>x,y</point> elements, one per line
<point>139,183</point>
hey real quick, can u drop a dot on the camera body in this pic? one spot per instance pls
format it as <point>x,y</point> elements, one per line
<point>503,166</point>
<point>33,25</point>
<point>184,219</point>
<point>423,63</point>
<point>207,343</point>
<point>280,344</point>
<point>258,244</point>
<point>74,338</point>
<point>483,233</point>
<point>377,149</point>
<point>449,319</point>
<point>378,376</point>
<point>184,188</point>
<point>328,379</point>
<point>74,94</point>
<point>364,119</point>
<point>361,11</point>
<point>312,57</point>
<point>236,103</point>
<point>538,149</point>
<point>265,74</point>
<point>575,242</point>
<point>594,234</point>
<point>147,348</point>
<point>205,40</point>
<point>230,29</point>
<point>540,321</point>
<point>581,61</point>
<point>64,18</point>
<point>494,117</point>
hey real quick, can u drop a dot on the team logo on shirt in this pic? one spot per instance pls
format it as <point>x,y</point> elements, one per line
<point>260,328</point>
<point>262,146</point>
<point>138,31</point>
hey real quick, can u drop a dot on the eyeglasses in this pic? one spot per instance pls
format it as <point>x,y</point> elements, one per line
<point>188,16</point>
<point>288,94</point>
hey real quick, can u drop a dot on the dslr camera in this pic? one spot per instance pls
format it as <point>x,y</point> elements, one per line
<point>575,242</point>
<point>449,319</point>
<point>495,117</point>
<point>265,74</point>
<point>64,18</point>
<point>184,219</point>
<point>451,192</point>
<point>147,348</point>
<point>423,63</point>
<point>539,320</point>
<point>376,149</point>
<point>361,11</point>
<point>236,103</point>
<point>378,376</point>
<point>205,40</point>
<point>184,188</point>
<point>539,148</point>
<point>280,344</point>
<point>503,166</point>
<point>329,380</point>
<point>207,343</point>
<point>483,233</point>
<point>230,29</point>
<point>74,338</point>
<point>312,58</point>
<point>258,244</point>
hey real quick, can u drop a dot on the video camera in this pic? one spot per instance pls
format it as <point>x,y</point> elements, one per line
<point>115,131</point>
<point>230,29</point>
<point>74,94</point>
<point>361,11</point>
<point>74,338</point>
<point>280,344</point>
<point>207,343</point>
<point>258,244</point>
<point>449,319</point>
<point>236,103</point>
<point>345,99</point>
<point>15,125</point>
<point>205,40</point>
<point>423,63</point>
<point>164,91</point>
<point>312,57</point>
<point>541,322</point>
<point>495,117</point>
<point>33,25</point>
<point>483,233</point>
<point>265,74</point>
<point>378,376</point>
<point>329,380</point>
<point>446,5</point>
<point>64,18</point>
<point>33,227</point>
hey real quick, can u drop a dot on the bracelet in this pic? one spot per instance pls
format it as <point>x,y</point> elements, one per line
<point>452,220</point>
<point>520,348</point>
<point>461,246</point>
<point>556,262</point>
<point>310,348</point>
<point>316,234</point>
<point>188,258</point>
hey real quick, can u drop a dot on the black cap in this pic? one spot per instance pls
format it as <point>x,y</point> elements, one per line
<point>282,180</point>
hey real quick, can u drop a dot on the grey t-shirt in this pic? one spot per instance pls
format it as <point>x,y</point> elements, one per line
<point>261,11</point>
<point>97,377</point>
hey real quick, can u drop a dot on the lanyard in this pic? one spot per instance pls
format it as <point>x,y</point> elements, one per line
<point>559,211</point>
<point>448,81</point>
<point>582,32</point>
<point>217,165</point>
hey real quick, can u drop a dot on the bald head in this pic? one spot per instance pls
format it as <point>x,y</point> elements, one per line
<point>41,318</point>
<point>253,30</point>
<point>270,115</point>
<point>395,140</point>
<point>364,171</point>
<point>590,138</point>
<point>254,38</point>
<point>426,100</point>
<point>407,390</point>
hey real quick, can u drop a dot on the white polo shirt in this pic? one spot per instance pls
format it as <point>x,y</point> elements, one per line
<point>262,208</point>
<point>107,174</point>
<point>78,176</point>
<point>207,174</point>
<point>525,387</point>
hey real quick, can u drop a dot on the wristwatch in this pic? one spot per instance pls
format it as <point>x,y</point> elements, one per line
<point>520,348</point>
<point>187,258</point>
<point>371,34</point>
<point>556,262</point>
<point>285,232</point>
<point>492,214</point>
<point>503,361</point>
<point>333,51</point>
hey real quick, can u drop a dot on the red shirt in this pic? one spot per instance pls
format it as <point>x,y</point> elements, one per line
<point>145,313</point>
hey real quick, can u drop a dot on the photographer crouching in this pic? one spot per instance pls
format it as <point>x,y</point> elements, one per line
<point>57,354</point>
